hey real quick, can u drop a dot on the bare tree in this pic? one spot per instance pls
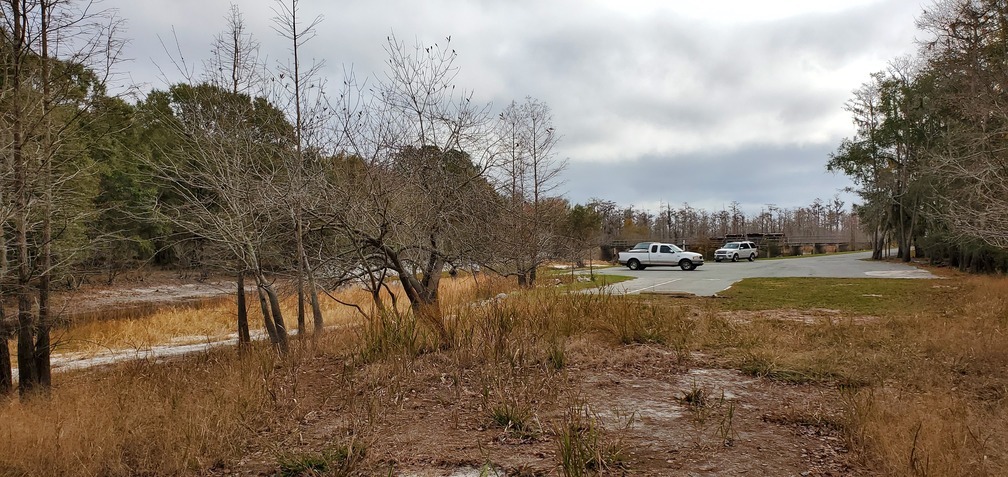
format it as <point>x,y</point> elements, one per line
<point>301,86</point>
<point>235,66</point>
<point>421,150</point>
<point>527,173</point>
<point>220,170</point>
<point>967,67</point>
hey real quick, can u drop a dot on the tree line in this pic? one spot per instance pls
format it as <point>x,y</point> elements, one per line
<point>824,220</point>
<point>928,156</point>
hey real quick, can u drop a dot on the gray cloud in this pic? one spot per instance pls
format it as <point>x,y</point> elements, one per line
<point>642,84</point>
<point>755,176</point>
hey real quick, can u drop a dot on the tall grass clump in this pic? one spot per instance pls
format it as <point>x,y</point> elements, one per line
<point>140,418</point>
<point>391,333</point>
<point>586,447</point>
<point>510,401</point>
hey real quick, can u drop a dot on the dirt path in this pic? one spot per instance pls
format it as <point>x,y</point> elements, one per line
<point>158,289</point>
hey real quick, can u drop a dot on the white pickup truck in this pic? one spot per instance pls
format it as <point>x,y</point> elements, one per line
<point>646,254</point>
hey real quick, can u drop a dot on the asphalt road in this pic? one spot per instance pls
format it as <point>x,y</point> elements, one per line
<point>714,277</point>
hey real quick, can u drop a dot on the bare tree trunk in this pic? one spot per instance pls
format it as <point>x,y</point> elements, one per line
<point>42,342</point>
<point>27,377</point>
<point>278,321</point>
<point>909,234</point>
<point>267,318</point>
<point>27,374</point>
<point>376,299</point>
<point>300,281</point>
<point>312,297</point>
<point>315,306</point>
<point>424,303</point>
<point>244,338</point>
<point>320,325</point>
<point>876,245</point>
<point>6,373</point>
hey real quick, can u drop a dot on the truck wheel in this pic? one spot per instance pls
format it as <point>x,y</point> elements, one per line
<point>734,258</point>
<point>634,264</point>
<point>686,265</point>
<point>752,256</point>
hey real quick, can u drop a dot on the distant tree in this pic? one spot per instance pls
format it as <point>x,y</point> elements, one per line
<point>527,174</point>
<point>863,159</point>
<point>582,228</point>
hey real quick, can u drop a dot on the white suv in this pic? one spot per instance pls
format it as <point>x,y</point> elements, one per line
<point>735,250</point>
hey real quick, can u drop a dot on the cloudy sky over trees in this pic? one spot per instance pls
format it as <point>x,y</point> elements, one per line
<point>656,101</point>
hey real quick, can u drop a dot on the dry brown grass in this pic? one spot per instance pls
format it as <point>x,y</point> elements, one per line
<point>925,388</point>
<point>180,417</point>
<point>140,418</point>
<point>214,319</point>
<point>926,379</point>
<point>943,409</point>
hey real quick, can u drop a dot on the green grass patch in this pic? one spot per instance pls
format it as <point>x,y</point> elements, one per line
<point>582,281</point>
<point>601,281</point>
<point>336,461</point>
<point>871,296</point>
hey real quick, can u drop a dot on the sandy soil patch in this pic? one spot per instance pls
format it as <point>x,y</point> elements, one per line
<point>437,424</point>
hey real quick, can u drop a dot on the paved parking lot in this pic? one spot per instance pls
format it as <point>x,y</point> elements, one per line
<point>714,277</point>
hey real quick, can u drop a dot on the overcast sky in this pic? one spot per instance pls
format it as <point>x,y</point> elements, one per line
<point>657,101</point>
